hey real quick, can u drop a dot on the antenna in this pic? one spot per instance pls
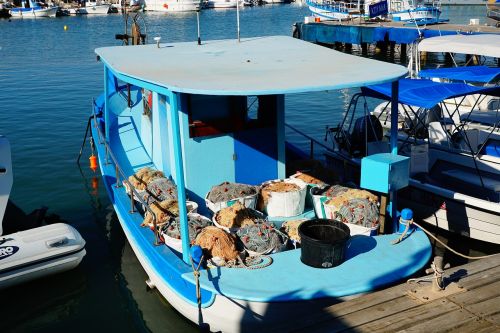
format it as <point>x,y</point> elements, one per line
<point>238,18</point>
<point>198,23</point>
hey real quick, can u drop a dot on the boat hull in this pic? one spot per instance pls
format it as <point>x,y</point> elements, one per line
<point>330,12</point>
<point>417,14</point>
<point>33,12</point>
<point>447,211</point>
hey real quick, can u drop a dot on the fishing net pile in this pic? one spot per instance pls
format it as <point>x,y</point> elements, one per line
<point>229,191</point>
<point>359,211</point>
<point>236,216</point>
<point>196,223</point>
<point>335,191</point>
<point>261,238</point>
<point>160,189</point>
<point>217,243</point>
<point>279,186</point>
<point>163,211</point>
<point>308,178</point>
<point>355,206</point>
<point>143,177</point>
<point>291,228</point>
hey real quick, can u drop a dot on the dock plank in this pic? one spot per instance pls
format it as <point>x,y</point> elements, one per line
<point>406,320</point>
<point>480,294</point>
<point>487,308</point>
<point>476,309</point>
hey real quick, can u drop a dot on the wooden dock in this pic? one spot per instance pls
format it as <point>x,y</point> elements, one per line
<point>383,33</point>
<point>471,304</point>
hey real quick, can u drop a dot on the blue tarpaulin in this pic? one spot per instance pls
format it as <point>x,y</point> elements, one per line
<point>426,93</point>
<point>473,73</point>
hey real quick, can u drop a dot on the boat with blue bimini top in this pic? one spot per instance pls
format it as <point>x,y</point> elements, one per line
<point>453,150</point>
<point>419,12</point>
<point>165,133</point>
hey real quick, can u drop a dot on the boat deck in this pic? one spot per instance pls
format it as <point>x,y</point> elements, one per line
<point>474,307</point>
<point>387,265</point>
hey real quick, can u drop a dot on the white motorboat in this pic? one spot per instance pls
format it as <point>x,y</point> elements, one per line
<point>222,3</point>
<point>91,8</point>
<point>33,10</point>
<point>37,252</point>
<point>172,6</point>
<point>454,156</point>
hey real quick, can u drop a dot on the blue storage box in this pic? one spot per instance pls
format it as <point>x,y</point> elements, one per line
<point>385,172</point>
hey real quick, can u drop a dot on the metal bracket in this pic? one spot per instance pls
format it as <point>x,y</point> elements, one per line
<point>427,293</point>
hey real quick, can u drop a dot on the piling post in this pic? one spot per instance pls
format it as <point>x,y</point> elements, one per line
<point>402,54</point>
<point>364,49</point>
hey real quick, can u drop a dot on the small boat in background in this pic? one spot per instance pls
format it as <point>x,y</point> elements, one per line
<point>222,3</point>
<point>91,8</point>
<point>172,5</point>
<point>417,11</point>
<point>493,13</point>
<point>33,9</point>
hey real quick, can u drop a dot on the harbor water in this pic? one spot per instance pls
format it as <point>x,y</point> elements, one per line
<point>48,77</point>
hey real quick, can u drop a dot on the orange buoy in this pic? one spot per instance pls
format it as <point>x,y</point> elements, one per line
<point>95,183</point>
<point>93,162</point>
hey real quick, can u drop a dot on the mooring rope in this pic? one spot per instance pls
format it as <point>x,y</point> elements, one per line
<point>442,243</point>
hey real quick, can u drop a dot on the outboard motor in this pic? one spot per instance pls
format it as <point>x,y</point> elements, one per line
<point>366,129</point>
<point>6,178</point>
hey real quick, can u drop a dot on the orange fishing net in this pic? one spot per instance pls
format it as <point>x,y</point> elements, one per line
<point>217,243</point>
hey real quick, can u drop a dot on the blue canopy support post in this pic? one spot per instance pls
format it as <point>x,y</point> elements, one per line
<point>106,100</point>
<point>280,105</point>
<point>394,148</point>
<point>179,174</point>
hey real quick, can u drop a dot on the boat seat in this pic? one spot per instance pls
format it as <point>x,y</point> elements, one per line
<point>473,178</point>
<point>437,134</point>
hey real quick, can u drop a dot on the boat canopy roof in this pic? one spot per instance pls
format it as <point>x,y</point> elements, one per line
<point>427,93</point>
<point>484,44</point>
<point>255,66</point>
<point>473,73</point>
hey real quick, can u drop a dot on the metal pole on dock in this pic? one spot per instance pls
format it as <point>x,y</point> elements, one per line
<point>238,18</point>
<point>198,24</point>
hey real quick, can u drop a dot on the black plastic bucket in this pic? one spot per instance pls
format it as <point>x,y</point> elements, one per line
<point>322,242</point>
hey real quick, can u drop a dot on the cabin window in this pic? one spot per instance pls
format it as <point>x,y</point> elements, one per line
<point>214,115</point>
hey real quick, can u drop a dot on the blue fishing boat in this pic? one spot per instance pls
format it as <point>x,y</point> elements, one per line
<point>189,119</point>
<point>415,12</point>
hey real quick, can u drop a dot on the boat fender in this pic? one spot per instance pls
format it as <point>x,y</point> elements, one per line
<point>93,162</point>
